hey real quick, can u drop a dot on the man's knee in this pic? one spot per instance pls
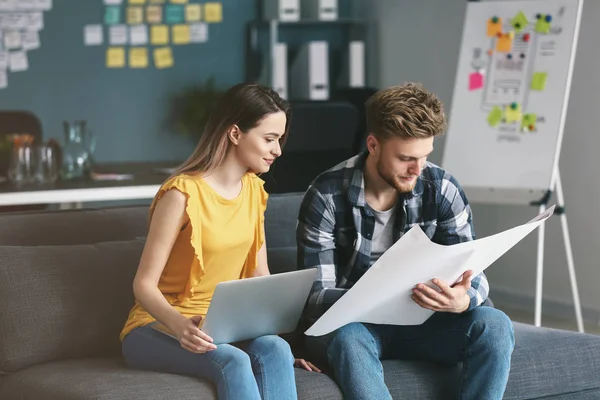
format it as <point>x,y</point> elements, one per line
<point>495,327</point>
<point>353,336</point>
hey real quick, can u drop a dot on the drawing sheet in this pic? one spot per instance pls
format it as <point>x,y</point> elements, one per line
<point>382,295</point>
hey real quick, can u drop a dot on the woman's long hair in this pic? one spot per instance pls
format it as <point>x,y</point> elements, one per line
<point>244,105</point>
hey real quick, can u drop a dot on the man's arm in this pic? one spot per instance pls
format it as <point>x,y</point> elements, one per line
<point>316,249</point>
<point>455,225</point>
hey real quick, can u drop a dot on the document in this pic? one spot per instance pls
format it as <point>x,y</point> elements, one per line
<point>382,295</point>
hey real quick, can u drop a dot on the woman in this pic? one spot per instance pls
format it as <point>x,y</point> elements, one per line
<point>207,226</point>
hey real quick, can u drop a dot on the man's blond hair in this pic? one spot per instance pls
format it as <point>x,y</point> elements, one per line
<point>405,111</point>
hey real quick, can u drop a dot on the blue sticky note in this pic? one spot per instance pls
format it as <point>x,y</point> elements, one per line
<point>112,15</point>
<point>174,14</point>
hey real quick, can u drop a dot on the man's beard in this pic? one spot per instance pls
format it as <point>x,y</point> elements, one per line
<point>394,181</point>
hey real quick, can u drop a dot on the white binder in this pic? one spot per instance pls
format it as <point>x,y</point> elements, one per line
<point>356,64</point>
<point>280,66</point>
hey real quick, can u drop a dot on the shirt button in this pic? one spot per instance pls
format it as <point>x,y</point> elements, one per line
<point>368,236</point>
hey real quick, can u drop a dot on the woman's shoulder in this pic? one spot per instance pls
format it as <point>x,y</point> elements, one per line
<point>257,186</point>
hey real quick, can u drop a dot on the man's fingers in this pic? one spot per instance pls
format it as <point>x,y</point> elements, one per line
<point>429,292</point>
<point>425,302</point>
<point>442,285</point>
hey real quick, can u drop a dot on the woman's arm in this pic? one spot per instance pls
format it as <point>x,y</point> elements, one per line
<point>262,268</point>
<point>167,220</point>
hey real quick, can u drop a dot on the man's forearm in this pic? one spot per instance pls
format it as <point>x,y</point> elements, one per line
<point>320,301</point>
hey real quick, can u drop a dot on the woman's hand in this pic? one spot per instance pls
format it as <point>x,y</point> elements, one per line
<point>192,338</point>
<point>307,365</point>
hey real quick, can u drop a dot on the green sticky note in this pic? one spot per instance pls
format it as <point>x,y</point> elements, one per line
<point>174,14</point>
<point>495,116</point>
<point>538,81</point>
<point>112,15</point>
<point>528,122</point>
<point>543,24</point>
<point>519,22</point>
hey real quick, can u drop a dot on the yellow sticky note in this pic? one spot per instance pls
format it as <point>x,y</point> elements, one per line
<point>504,42</point>
<point>179,1</point>
<point>115,57</point>
<point>513,113</point>
<point>154,14</point>
<point>193,12</point>
<point>213,12</point>
<point>181,34</point>
<point>494,26</point>
<point>163,57</point>
<point>157,1</point>
<point>137,1</point>
<point>135,15</point>
<point>159,34</point>
<point>138,57</point>
<point>538,81</point>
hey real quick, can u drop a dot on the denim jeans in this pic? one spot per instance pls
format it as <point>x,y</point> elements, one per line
<point>482,339</point>
<point>262,368</point>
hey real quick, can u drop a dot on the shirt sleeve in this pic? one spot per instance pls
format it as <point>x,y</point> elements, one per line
<point>316,249</point>
<point>455,225</point>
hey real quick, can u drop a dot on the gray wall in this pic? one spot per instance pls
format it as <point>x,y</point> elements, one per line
<point>419,41</point>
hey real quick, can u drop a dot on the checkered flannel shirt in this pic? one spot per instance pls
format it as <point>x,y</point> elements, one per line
<point>335,227</point>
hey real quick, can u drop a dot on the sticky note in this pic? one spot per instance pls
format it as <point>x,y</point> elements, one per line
<point>475,81</point>
<point>181,34</point>
<point>513,113</point>
<point>159,34</point>
<point>198,32</point>
<point>174,14</point>
<point>213,12</point>
<point>519,22</point>
<point>543,23</point>
<point>112,15</point>
<point>163,57</point>
<point>138,57</point>
<point>193,12</point>
<point>538,81</point>
<point>528,122</point>
<point>179,1</point>
<point>154,14</point>
<point>137,1</point>
<point>504,42</point>
<point>157,1</point>
<point>135,15</point>
<point>495,116</point>
<point>115,57</point>
<point>138,35</point>
<point>494,26</point>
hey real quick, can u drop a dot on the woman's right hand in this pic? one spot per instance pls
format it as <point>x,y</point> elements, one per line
<point>192,338</point>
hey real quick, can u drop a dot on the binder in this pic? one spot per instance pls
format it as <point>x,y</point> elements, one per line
<point>310,72</point>
<point>282,10</point>
<point>280,67</point>
<point>323,10</point>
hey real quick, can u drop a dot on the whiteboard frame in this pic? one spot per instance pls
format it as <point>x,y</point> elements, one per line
<point>533,196</point>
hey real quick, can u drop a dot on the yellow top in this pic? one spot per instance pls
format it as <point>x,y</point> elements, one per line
<point>220,243</point>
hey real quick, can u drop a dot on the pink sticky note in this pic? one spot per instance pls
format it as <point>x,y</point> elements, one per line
<point>475,81</point>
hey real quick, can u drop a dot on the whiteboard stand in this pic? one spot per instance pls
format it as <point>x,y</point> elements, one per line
<point>560,210</point>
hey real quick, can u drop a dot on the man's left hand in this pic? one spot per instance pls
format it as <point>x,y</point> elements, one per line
<point>448,299</point>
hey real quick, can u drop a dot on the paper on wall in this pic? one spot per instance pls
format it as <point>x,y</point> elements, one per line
<point>113,2</point>
<point>3,60</point>
<point>198,32</point>
<point>93,35</point>
<point>3,79</point>
<point>17,61</point>
<point>31,40</point>
<point>117,34</point>
<point>382,295</point>
<point>138,35</point>
<point>12,40</point>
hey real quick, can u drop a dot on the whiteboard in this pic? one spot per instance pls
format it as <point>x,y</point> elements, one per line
<point>510,98</point>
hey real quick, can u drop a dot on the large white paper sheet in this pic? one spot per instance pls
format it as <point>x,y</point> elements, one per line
<point>382,295</point>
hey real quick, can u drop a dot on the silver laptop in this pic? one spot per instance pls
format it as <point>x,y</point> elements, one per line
<point>249,308</point>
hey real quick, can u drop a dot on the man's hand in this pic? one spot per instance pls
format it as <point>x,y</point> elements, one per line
<point>448,299</point>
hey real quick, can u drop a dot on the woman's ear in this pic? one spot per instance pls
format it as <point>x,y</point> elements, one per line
<point>234,134</point>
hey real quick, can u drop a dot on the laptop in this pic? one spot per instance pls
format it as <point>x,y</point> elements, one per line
<point>245,309</point>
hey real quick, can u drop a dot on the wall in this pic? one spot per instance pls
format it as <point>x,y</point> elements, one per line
<point>125,108</point>
<point>419,41</point>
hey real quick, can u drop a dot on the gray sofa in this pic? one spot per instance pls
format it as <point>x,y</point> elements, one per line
<point>65,290</point>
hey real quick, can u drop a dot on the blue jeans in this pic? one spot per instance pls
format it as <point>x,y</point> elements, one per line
<point>482,339</point>
<point>262,368</point>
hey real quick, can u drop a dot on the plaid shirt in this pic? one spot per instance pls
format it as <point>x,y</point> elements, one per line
<point>335,227</point>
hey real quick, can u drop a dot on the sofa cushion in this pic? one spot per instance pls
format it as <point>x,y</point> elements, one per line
<point>109,379</point>
<point>73,226</point>
<point>549,362</point>
<point>64,301</point>
<point>281,217</point>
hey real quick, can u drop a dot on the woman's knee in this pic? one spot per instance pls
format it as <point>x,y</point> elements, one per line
<point>272,345</point>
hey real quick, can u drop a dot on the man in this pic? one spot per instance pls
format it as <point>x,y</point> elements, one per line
<point>354,212</point>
